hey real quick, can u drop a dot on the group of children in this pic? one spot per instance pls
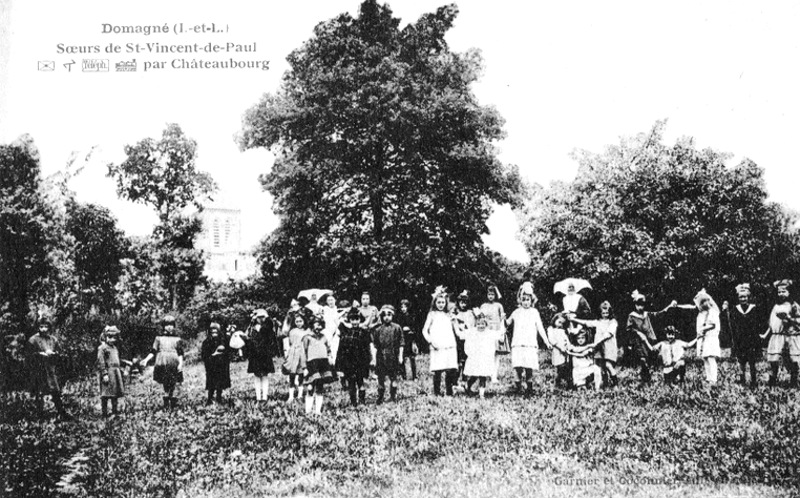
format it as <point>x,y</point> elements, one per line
<point>465,345</point>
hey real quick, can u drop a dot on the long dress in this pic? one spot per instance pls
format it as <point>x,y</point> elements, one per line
<point>43,378</point>
<point>388,340</point>
<point>708,345</point>
<point>525,343</point>
<point>108,364</point>
<point>262,347</point>
<point>168,350</point>
<point>218,372</point>
<point>438,331</point>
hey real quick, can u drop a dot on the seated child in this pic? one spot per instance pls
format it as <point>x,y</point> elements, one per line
<point>584,369</point>
<point>671,352</point>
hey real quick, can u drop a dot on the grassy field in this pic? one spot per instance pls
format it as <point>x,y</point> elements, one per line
<point>630,441</point>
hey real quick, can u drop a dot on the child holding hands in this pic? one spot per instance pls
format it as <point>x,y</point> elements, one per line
<point>479,345</point>
<point>671,352</point>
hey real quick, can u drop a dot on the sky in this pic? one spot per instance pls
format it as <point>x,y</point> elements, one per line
<point>564,75</point>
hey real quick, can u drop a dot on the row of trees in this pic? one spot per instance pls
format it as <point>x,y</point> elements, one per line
<point>385,174</point>
<point>69,258</point>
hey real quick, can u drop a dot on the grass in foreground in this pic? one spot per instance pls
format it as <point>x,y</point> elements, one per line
<point>653,441</point>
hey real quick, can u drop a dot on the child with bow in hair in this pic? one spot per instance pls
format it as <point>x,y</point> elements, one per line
<point>439,330</point>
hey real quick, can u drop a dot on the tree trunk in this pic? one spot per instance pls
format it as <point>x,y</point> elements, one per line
<point>377,215</point>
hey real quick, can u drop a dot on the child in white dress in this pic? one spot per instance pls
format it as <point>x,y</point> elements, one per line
<point>439,331</point>
<point>479,345</point>
<point>524,344</point>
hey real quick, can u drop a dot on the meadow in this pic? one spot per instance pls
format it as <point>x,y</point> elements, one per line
<point>657,440</point>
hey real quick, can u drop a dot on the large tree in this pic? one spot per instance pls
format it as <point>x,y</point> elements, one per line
<point>162,173</point>
<point>667,220</point>
<point>31,235</point>
<point>97,251</point>
<point>385,171</point>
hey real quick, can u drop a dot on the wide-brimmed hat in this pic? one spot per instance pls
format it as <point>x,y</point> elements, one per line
<point>260,313</point>
<point>387,308</point>
<point>168,320</point>
<point>743,290</point>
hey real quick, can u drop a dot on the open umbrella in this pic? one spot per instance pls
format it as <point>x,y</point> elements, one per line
<point>578,283</point>
<point>313,292</point>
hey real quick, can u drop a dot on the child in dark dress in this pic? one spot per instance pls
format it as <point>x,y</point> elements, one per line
<point>262,347</point>
<point>215,355</point>
<point>388,340</point>
<point>354,355</point>
<point>44,350</point>
<point>406,322</point>
<point>744,323</point>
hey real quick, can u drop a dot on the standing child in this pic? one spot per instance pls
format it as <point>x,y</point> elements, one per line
<point>744,323</point>
<point>605,342</point>
<point>354,355</point>
<point>216,358</point>
<point>465,318</point>
<point>480,345</point>
<point>295,362</point>
<point>109,370</point>
<point>783,333</point>
<point>168,349</point>
<point>439,331</point>
<point>388,340</point>
<point>584,369</point>
<point>708,325</point>
<point>525,344</point>
<point>317,351</point>
<point>495,317</point>
<point>672,352</point>
<point>262,347</point>
<point>44,350</point>
<point>557,335</point>
<point>640,320</point>
<point>410,350</point>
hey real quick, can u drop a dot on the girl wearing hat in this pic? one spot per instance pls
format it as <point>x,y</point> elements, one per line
<point>439,331</point>
<point>354,355</point>
<point>168,349</point>
<point>495,317</point>
<point>262,347</point>
<point>216,358</point>
<point>44,349</point>
<point>109,370</point>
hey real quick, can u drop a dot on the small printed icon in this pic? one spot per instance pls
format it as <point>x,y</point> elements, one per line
<point>125,66</point>
<point>68,65</point>
<point>95,65</point>
<point>47,65</point>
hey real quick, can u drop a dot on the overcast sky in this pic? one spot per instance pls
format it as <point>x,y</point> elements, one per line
<point>564,75</point>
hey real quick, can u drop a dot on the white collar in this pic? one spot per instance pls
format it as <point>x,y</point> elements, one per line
<point>750,306</point>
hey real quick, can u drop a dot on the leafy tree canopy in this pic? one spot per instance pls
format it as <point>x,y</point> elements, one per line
<point>667,220</point>
<point>385,169</point>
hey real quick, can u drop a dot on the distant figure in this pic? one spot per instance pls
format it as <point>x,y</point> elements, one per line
<point>44,351</point>
<point>168,350</point>
<point>109,371</point>
<point>216,358</point>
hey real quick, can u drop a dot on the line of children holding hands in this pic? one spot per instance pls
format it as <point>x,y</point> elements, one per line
<point>364,334</point>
